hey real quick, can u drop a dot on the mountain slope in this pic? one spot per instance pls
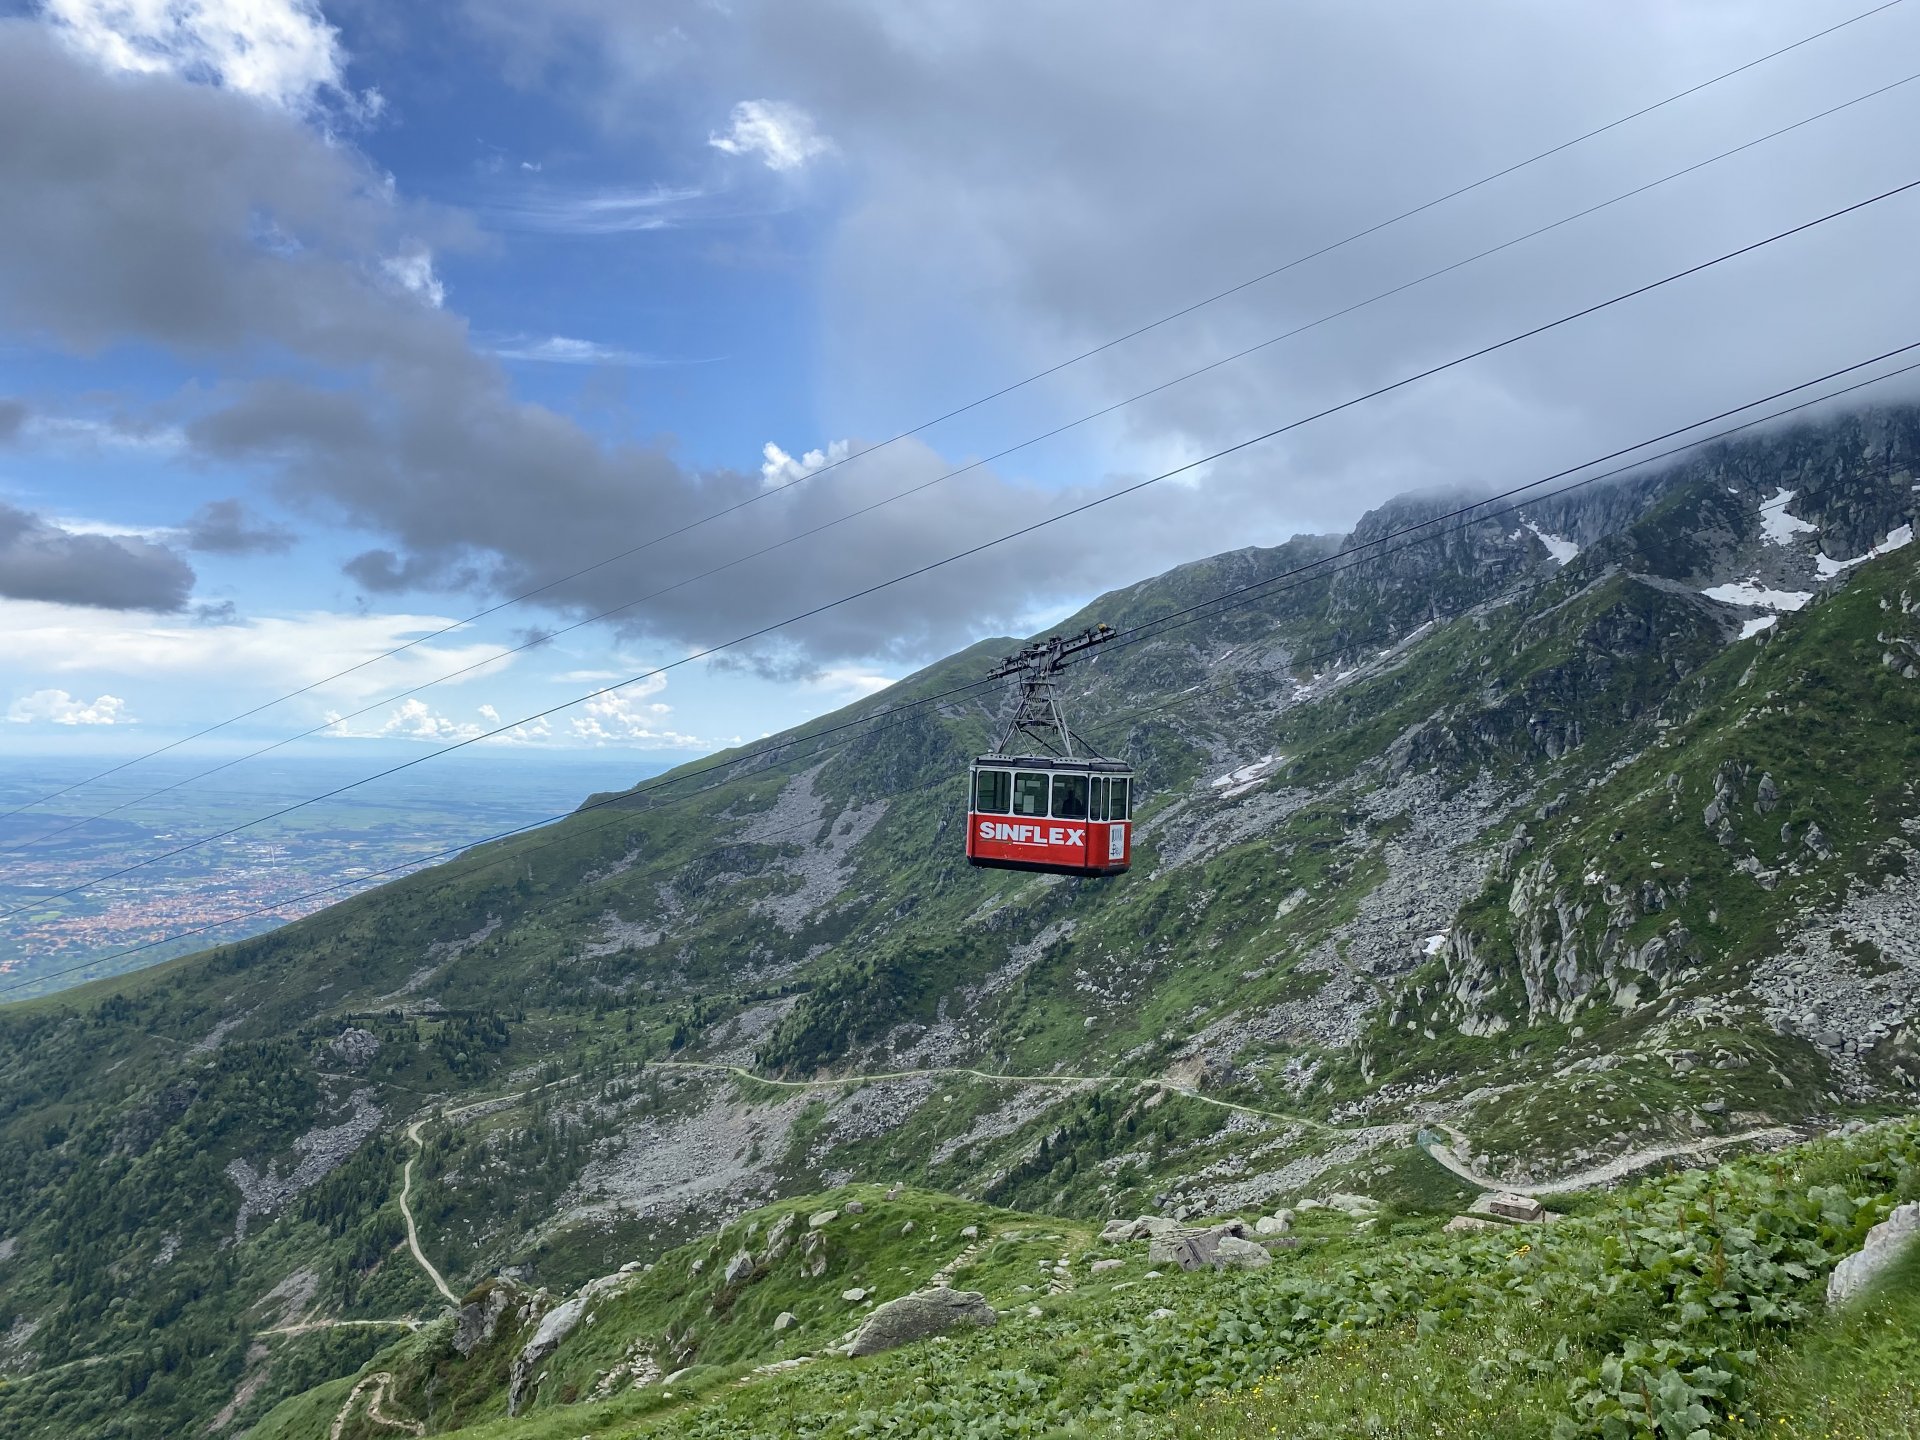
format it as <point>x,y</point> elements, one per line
<point>1518,831</point>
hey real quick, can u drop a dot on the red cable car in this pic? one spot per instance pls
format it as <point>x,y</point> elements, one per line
<point>1056,812</point>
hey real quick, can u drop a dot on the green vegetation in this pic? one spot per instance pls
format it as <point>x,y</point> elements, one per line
<point>1682,1307</point>
<point>1531,849</point>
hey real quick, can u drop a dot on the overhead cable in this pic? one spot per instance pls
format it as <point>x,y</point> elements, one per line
<point>1053,369</point>
<point>1237,598</point>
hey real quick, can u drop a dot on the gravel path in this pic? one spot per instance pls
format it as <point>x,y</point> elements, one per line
<point>1617,1168</point>
<point>413,1234</point>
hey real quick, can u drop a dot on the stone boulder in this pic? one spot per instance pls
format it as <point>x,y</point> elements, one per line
<point>1198,1249</point>
<point>1884,1244</point>
<point>738,1268</point>
<point>1472,1222</point>
<point>354,1047</point>
<point>854,1207</point>
<point>1119,1232</point>
<point>779,1238</point>
<point>555,1326</point>
<point>785,1320</point>
<point>1098,1266</point>
<point>822,1217</point>
<point>920,1316</point>
<point>1273,1224</point>
<point>1352,1204</point>
<point>1233,1253</point>
<point>1517,1207</point>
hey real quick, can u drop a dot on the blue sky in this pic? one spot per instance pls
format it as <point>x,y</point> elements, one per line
<point>324,325</point>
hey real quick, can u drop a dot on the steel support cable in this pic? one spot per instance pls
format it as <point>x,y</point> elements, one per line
<point>1235,599</point>
<point>551,635</point>
<point>975,404</point>
<point>972,550</point>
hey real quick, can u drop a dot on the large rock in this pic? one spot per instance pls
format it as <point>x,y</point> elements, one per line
<point>738,1268</point>
<point>1517,1207</point>
<point>1884,1243</point>
<point>1231,1252</point>
<point>1353,1204</point>
<point>1118,1232</point>
<point>480,1320</point>
<point>920,1316</point>
<point>555,1326</point>
<point>779,1238</point>
<point>1273,1224</point>
<point>822,1217</point>
<point>1197,1249</point>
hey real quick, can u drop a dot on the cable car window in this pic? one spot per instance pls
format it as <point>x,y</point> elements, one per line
<point>993,791</point>
<point>1097,798</point>
<point>1117,799</point>
<point>1030,795</point>
<point>1070,797</point>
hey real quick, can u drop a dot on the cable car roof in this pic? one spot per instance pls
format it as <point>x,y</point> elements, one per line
<point>1083,763</point>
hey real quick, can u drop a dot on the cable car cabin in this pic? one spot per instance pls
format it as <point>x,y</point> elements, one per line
<point>1057,815</point>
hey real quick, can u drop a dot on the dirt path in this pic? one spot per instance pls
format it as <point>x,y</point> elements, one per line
<point>1134,1080</point>
<point>406,1212</point>
<point>379,1380</point>
<point>1609,1171</point>
<point>307,1327</point>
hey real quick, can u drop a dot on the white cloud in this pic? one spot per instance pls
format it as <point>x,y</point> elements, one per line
<point>851,681</point>
<point>57,707</point>
<point>627,717</point>
<point>81,432</point>
<point>413,272</point>
<point>780,468</point>
<point>280,51</point>
<point>565,350</point>
<point>278,652</point>
<point>554,211</point>
<point>782,135</point>
<point>410,720</point>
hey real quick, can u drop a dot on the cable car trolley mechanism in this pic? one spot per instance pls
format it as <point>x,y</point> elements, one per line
<point>1037,802</point>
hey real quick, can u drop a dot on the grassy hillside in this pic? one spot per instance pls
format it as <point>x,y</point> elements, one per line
<point>1548,860</point>
<point>1685,1305</point>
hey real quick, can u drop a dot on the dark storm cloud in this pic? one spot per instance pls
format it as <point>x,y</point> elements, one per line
<point>226,527</point>
<point>41,561</point>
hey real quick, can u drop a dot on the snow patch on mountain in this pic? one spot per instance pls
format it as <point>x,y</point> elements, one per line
<point>1777,527</point>
<point>1894,541</point>
<point>1247,777</point>
<point>1560,548</point>
<point>1751,592</point>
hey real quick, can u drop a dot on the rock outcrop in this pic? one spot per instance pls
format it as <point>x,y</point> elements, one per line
<point>1205,1249</point>
<point>1885,1242</point>
<point>920,1316</point>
